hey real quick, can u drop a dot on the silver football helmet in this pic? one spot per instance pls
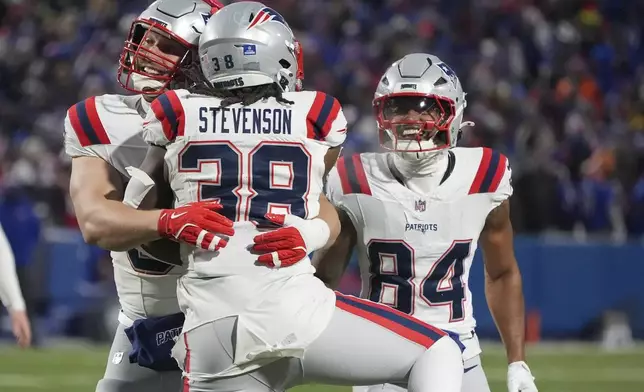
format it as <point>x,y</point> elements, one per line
<point>419,104</point>
<point>249,44</point>
<point>161,40</point>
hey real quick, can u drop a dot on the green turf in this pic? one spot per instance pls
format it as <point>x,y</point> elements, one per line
<point>558,368</point>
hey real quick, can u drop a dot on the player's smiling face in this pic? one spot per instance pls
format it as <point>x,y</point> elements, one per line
<point>161,54</point>
<point>414,128</point>
<point>414,118</point>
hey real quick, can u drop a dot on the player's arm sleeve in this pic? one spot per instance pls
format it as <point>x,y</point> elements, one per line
<point>165,120</point>
<point>504,189</point>
<point>325,120</point>
<point>76,140</point>
<point>493,177</point>
<point>10,293</point>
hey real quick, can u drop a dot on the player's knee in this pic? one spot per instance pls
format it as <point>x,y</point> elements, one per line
<point>445,354</point>
<point>440,368</point>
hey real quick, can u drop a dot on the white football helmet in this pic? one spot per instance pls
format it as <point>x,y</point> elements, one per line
<point>419,104</point>
<point>248,44</point>
<point>182,21</point>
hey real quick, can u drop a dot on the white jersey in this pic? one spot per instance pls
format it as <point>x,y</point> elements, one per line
<point>415,250</point>
<point>267,157</point>
<point>109,127</point>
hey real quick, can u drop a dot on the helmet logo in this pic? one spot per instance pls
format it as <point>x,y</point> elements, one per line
<point>206,17</point>
<point>266,14</point>
<point>248,49</point>
<point>448,71</point>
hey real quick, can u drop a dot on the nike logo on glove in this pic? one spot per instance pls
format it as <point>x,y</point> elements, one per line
<point>196,224</point>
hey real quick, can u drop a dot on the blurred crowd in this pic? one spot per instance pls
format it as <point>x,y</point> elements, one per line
<point>557,85</point>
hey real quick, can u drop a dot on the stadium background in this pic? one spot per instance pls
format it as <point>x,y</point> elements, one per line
<point>557,85</point>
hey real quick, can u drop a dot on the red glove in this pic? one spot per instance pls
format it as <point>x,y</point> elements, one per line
<point>214,4</point>
<point>293,242</point>
<point>196,224</point>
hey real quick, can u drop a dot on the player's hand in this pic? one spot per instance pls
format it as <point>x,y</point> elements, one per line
<point>196,224</point>
<point>520,378</point>
<point>21,327</point>
<point>292,242</point>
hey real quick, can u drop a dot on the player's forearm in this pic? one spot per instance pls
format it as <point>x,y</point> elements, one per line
<point>10,293</point>
<point>114,226</point>
<point>331,261</point>
<point>505,300</point>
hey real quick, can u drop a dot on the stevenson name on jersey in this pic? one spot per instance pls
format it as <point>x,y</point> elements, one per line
<point>277,121</point>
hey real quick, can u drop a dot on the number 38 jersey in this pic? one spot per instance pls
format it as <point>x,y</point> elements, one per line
<point>415,251</point>
<point>267,157</point>
<point>109,127</point>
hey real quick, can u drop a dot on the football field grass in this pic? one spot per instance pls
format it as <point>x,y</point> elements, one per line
<point>558,368</point>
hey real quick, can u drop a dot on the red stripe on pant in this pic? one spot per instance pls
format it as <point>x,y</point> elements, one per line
<point>391,325</point>
<point>186,365</point>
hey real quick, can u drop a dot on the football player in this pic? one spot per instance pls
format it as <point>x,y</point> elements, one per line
<point>10,294</point>
<point>249,141</point>
<point>417,213</point>
<point>102,137</point>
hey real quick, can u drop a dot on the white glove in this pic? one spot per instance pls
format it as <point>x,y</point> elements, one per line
<point>520,378</point>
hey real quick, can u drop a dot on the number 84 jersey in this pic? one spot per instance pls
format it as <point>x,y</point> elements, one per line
<point>415,250</point>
